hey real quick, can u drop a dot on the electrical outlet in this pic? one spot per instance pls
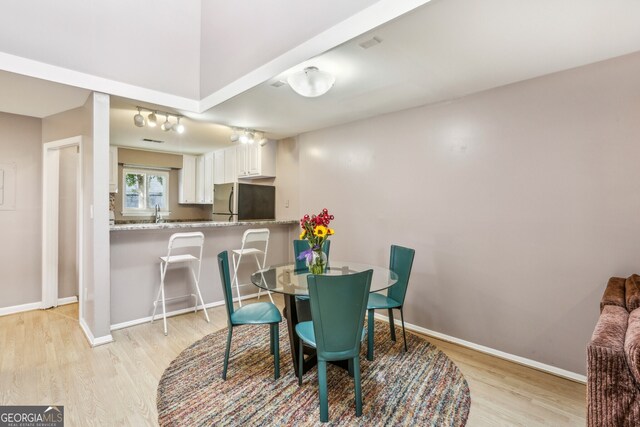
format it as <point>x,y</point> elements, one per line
<point>286,203</point>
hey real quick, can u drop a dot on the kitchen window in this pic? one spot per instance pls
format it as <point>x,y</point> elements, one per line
<point>144,190</point>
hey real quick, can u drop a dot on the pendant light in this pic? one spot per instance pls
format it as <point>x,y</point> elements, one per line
<point>311,82</point>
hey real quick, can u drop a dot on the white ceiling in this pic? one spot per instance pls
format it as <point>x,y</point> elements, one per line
<point>443,50</point>
<point>37,98</point>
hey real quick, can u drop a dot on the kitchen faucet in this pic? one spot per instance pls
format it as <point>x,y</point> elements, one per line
<point>158,217</point>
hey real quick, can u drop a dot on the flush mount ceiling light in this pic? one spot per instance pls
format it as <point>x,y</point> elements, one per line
<point>152,121</point>
<point>138,119</point>
<point>311,82</point>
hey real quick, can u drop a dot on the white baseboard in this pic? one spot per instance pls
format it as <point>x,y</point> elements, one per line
<point>491,351</point>
<point>67,300</point>
<point>4,311</point>
<point>147,319</point>
<point>94,342</point>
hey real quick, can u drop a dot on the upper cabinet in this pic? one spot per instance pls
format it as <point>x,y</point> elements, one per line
<point>256,161</point>
<point>218,167</point>
<point>230,174</point>
<point>113,169</point>
<point>187,180</point>
<point>196,179</point>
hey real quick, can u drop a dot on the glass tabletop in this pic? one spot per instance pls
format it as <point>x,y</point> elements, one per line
<point>285,279</point>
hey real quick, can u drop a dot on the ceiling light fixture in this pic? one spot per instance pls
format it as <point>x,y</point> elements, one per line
<point>178,127</point>
<point>138,119</point>
<point>247,136</point>
<point>311,82</point>
<point>152,121</point>
<point>166,126</point>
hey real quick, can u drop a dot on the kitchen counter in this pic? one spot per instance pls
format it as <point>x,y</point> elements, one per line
<point>197,224</point>
<point>135,275</point>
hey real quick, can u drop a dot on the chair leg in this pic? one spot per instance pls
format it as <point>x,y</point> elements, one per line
<point>370,335</point>
<point>195,281</point>
<point>261,267</point>
<point>164,308</point>
<point>276,350</point>
<point>271,339</point>
<point>226,353</point>
<point>356,380</point>
<point>392,325</point>
<point>404,335</point>
<point>300,362</point>
<point>155,303</point>
<point>322,385</point>
<point>235,277</point>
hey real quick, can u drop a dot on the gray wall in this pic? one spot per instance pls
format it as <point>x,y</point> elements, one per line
<point>21,229</point>
<point>520,202</point>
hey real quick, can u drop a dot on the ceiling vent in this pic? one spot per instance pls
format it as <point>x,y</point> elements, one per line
<point>370,43</point>
<point>278,83</point>
<point>156,141</point>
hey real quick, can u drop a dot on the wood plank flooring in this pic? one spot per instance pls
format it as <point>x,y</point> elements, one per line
<point>45,359</point>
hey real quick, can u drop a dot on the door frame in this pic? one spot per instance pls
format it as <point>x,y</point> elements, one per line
<point>50,214</point>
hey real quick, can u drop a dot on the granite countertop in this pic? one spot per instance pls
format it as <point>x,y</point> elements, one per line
<point>195,224</point>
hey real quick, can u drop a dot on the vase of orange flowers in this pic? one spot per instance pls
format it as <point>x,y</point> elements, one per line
<point>316,230</point>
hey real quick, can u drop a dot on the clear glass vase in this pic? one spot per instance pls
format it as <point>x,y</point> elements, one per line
<point>318,262</point>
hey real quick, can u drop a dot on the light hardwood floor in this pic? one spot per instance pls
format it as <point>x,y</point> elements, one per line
<point>45,359</point>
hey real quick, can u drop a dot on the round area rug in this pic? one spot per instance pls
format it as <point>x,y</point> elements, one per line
<point>421,387</point>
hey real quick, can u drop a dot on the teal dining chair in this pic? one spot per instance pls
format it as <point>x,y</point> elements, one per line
<point>400,262</point>
<point>338,306</point>
<point>259,313</point>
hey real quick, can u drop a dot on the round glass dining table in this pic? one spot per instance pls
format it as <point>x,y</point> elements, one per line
<point>291,282</point>
<point>285,279</point>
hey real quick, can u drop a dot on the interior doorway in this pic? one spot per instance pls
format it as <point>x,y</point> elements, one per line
<point>62,227</point>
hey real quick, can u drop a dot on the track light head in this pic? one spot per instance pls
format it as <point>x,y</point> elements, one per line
<point>152,119</point>
<point>166,125</point>
<point>178,127</point>
<point>138,119</point>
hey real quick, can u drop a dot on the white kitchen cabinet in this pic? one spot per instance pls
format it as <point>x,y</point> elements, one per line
<point>230,174</point>
<point>256,161</point>
<point>209,168</point>
<point>196,179</point>
<point>113,169</point>
<point>187,180</point>
<point>218,167</point>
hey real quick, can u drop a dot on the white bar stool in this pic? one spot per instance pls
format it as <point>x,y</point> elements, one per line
<point>178,241</point>
<point>252,236</point>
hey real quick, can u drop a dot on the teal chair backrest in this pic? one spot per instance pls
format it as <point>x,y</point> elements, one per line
<point>300,246</point>
<point>225,279</point>
<point>338,304</point>
<point>400,261</point>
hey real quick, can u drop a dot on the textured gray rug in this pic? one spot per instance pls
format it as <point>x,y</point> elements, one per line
<point>420,388</point>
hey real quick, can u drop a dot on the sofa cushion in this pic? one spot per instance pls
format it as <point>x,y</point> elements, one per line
<point>632,344</point>
<point>614,293</point>
<point>611,328</point>
<point>632,292</point>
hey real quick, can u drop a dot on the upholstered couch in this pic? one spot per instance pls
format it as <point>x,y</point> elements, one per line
<point>613,357</point>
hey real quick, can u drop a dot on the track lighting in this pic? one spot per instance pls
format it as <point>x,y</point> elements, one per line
<point>178,127</point>
<point>138,119</point>
<point>166,126</point>
<point>248,136</point>
<point>152,120</point>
